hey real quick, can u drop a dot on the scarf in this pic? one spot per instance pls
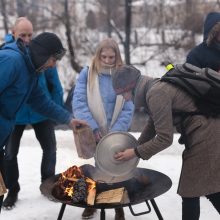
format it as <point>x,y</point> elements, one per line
<point>95,103</point>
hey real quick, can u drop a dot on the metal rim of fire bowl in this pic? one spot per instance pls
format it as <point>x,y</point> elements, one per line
<point>106,149</point>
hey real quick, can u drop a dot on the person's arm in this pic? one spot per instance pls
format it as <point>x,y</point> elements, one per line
<point>148,132</point>
<point>79,103</point>
<point>124,119</point>
<point>160,110</point>
<point>39,101</point>
<point>54,85</point>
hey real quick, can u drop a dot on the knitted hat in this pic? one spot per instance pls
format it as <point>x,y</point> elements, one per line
<point>45,45</point>
<point>125,79</point>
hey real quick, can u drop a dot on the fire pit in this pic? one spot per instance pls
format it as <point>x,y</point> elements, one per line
<point>145,185</point>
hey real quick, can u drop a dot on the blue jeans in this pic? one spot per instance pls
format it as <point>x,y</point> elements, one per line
<point>45,134</point>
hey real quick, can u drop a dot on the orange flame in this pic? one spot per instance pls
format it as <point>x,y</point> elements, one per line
<point>70,177</point>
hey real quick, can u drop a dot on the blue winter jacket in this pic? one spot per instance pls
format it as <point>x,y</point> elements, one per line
<point>81,109</point>
<point>204,55</point>
<point>50,83</point>
<point>19,85</point>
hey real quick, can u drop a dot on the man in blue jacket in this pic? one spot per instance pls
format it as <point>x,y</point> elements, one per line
<point>20,68</point>
<point>43,127</point>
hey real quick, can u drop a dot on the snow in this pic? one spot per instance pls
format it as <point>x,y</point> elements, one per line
<point>32,205</point>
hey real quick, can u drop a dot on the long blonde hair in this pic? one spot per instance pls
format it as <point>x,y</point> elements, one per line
<point>95,66</point>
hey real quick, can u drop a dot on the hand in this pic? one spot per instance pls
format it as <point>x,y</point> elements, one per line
<point>125,155</point>
<point>74,123</point>
<point>97,134</point>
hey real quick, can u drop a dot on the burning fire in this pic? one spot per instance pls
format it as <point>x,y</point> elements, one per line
<point>76,186</point>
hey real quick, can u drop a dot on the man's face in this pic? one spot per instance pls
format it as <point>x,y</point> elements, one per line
<point>24,31</point>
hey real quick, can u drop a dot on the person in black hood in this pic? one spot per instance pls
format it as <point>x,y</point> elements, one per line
<point>19,76</point>
<point>42,47</point>
<point>207,53</point>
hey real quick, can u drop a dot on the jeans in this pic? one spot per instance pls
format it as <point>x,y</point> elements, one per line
<point>45,134</point>
<point>191,206</point>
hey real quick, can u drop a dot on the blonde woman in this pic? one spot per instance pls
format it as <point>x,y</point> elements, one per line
<point>95,101</point>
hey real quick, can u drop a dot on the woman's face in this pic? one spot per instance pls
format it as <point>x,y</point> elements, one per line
<point>108,56</point>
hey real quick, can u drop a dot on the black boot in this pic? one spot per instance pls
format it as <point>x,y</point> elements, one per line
<point>88,213</point>
<point>119,214</point>
<point>11,198</point>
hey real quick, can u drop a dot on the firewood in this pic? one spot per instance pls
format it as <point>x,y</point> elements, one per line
<point>91,196</point>
<point>3,189</point>
<point>112,196</point>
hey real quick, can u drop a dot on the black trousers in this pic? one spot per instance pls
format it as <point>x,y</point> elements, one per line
<point>2,172</point>
<point>191,206</point>
<point>45,134</point>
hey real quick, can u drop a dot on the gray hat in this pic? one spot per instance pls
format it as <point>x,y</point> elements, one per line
<point>125,79</point>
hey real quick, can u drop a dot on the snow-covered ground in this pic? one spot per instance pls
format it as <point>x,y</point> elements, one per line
<point>32,205</point>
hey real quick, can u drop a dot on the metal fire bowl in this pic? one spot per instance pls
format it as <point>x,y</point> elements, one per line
<point>104,156</point>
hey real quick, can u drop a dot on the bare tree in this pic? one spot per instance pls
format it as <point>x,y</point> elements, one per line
<point>4,15</point>
<point>68,26</point>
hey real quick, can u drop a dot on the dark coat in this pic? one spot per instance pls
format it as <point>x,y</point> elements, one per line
<point>207,54</point>
<point>200,170</point>
<point>19,85</point>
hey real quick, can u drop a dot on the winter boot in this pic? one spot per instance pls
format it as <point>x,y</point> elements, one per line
<point>119,214</point>
<point>11,198</point>
<point>88,213</point>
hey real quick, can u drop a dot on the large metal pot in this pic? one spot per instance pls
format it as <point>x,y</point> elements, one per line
<point>109,169</point>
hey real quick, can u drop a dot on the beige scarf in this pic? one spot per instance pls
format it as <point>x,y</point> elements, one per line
<point>96,107</point>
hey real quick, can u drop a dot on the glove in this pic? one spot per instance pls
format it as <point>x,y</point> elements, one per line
<point>97,134</point>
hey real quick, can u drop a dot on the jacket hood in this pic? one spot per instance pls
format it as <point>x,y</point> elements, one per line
<point>211,26</point>
<point>11,46</point>
<point>20,48</point>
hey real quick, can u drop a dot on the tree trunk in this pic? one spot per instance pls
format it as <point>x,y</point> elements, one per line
<point>4,15</point>
<point>74,64</point>
<point>128,15</point>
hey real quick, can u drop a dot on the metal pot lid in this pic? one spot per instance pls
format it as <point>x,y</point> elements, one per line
<point>107,147</point>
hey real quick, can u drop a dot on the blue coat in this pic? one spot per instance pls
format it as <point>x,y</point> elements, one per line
<point>204,55</point>
<point>81,109</point>
<point>50,83</point>
<point>19,85</point>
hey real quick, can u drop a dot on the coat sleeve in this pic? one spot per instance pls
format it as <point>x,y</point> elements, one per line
<point>148,132</point>
<point>124,119</point>
<point>47,107</point>
<point>79,103</point>
<point>54,85</point>
<point>160,111</point>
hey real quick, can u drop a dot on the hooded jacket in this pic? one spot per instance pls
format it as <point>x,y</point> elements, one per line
<point>207,54</point>
<point>19,85</point>
<point>50,83</point>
